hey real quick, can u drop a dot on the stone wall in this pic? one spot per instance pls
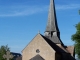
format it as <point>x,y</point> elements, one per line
<point>44,49</point>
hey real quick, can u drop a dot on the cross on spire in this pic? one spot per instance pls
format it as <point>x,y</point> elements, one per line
<point>8,55</point>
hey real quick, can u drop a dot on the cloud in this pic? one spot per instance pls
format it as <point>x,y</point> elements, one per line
<point>16,46</point>
<point>23,11</point>
<point>66,7</point>
<point>29,10</point>
<point>12,41</point>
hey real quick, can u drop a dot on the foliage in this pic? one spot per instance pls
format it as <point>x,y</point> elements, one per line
<point>76,39</point>
<point>3,50</point>
<point>79,12</point>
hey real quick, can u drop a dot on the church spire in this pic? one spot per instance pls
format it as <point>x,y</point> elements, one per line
<point>52,22</point>
<point>52,31</point>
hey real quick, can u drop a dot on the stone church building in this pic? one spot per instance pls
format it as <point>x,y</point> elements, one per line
<point>48,46</point>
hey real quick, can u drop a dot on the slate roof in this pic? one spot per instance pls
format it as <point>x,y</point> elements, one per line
<point>37,57</point>
<point>55,39</point>
<point>52,21</point>
<point>19,58</point>
<point>15,55</point>
<point>52,25</point>
<point>59,49</point>
<point>54,46</point>
<point>71,49</point>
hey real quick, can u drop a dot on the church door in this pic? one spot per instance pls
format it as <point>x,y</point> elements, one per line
<point>37,57</point>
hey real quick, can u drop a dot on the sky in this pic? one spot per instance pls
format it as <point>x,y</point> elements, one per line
<point>21,20</point>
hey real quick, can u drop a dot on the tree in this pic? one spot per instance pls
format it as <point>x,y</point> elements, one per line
<point>3,50</point>
<point>76,39</point>
<point>79,12</point>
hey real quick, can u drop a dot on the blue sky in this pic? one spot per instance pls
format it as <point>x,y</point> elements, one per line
<point>20,21</point>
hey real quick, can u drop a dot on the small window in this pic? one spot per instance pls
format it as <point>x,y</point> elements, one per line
<point>37,51</point>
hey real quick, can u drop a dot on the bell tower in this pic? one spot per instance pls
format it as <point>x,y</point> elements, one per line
<point>52,32</point>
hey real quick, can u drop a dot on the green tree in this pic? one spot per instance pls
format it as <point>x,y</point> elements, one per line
<point>79,12</point>
<point>76,39</point>
<point>3,50</point>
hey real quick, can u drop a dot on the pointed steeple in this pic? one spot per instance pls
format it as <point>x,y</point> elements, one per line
<point>52,21</point>
<point>52,31</point>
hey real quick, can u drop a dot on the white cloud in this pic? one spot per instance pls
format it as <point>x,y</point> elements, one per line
<point>29,10</point>
<point>66,7</point>
<point>24,11</point>
<point>16,46</point>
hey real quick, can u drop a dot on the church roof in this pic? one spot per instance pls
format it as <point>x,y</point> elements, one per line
<point>19,58</point>
<point>16,55</point>
<point>52,32</point>
<point>37,57</point>
<point>54,46</point>
<point>56,39</point>
<point>71,49</point>
<point>13,53</point>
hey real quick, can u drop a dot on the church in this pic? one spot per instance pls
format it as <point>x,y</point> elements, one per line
<point>49,46</point>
